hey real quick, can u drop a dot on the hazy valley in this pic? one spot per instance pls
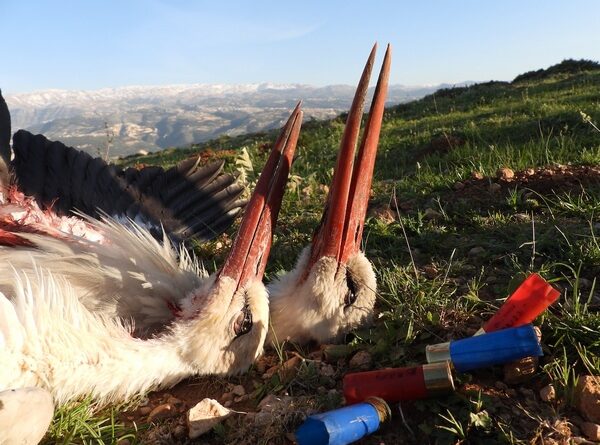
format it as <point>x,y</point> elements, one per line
<point>153,118</point>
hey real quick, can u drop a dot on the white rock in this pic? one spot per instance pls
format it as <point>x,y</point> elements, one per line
<point>206,414</point>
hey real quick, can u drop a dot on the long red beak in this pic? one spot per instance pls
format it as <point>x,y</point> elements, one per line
<point>340,232</point>
<point>248,256</point>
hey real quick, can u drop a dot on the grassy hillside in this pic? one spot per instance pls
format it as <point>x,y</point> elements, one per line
<point>474,188</point>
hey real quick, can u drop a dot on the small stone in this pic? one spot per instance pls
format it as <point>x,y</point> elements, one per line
<point>432,215</point>
<point>241,398</point>
<point>477,175</point>
<point>591,431</point>
<point>476,251</point>
<point>505,173</point>
<point>289,369</point>
<point>362,359</point>
<point>145,410</point>
<point>587,396</point>
<point>458,186</point>
<point>238,390</point>
<point>270,372</point>
<point>204,416</point>
<point>530,172</point>
<point>228,403</point>
<point>227,396</point>
<point>548,393</point>
<point>495,187</point>
<point>175,402</point>
<point>161,412</point>
<point>327,370</point>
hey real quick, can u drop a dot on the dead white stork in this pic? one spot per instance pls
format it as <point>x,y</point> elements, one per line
<point>117,313</point>
<point>332,288</point>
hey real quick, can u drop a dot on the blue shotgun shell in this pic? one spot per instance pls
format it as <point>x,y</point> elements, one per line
<point>495,348</point>
<point>344,425</point>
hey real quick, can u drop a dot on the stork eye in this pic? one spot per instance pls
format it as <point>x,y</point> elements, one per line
<point>350,297</point>
<point>243,322</point>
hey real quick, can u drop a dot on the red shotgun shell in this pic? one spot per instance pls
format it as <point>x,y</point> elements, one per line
<point>530,299</point>
<point>397,384</point>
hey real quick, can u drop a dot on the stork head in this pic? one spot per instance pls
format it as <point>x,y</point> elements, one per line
<point>224,323</point>
<point>332,288</point>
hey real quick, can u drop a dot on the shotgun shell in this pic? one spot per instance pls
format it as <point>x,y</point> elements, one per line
<point>485,350</point>
<point>397,384</point>
<point>345,425</point>
<point>530,299</point>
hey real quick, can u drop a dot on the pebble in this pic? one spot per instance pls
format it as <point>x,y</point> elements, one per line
<point>548,393</point>
<point>477,175</point>
<point>327,370</point>
<point>362,359</point>
<point>175,402</point>
<point>587,395</point>
<point>288,370</point>
<point>239,390</point>
<point>204,416</point>
<point>161,412</point>
<point>591,431</point>
<point>145,410</point>
<point>505,173</point>
<point>530,172</point>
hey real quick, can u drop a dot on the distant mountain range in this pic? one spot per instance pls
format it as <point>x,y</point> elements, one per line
<point>152,118</point>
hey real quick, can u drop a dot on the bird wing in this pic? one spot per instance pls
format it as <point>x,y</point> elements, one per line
<point>187,200</point>
<point>4,142</point>
<point>127,275</point>
<point>4,130</point>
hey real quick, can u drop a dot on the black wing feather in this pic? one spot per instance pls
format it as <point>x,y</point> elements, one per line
<point>187,200</point>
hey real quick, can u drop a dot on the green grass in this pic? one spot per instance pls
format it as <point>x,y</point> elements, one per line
<point>432,284</point>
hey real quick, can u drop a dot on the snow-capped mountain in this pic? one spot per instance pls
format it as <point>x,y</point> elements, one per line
<point>156,117</point>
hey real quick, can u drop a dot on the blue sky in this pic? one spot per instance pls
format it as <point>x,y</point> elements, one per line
<point>89,44</point>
